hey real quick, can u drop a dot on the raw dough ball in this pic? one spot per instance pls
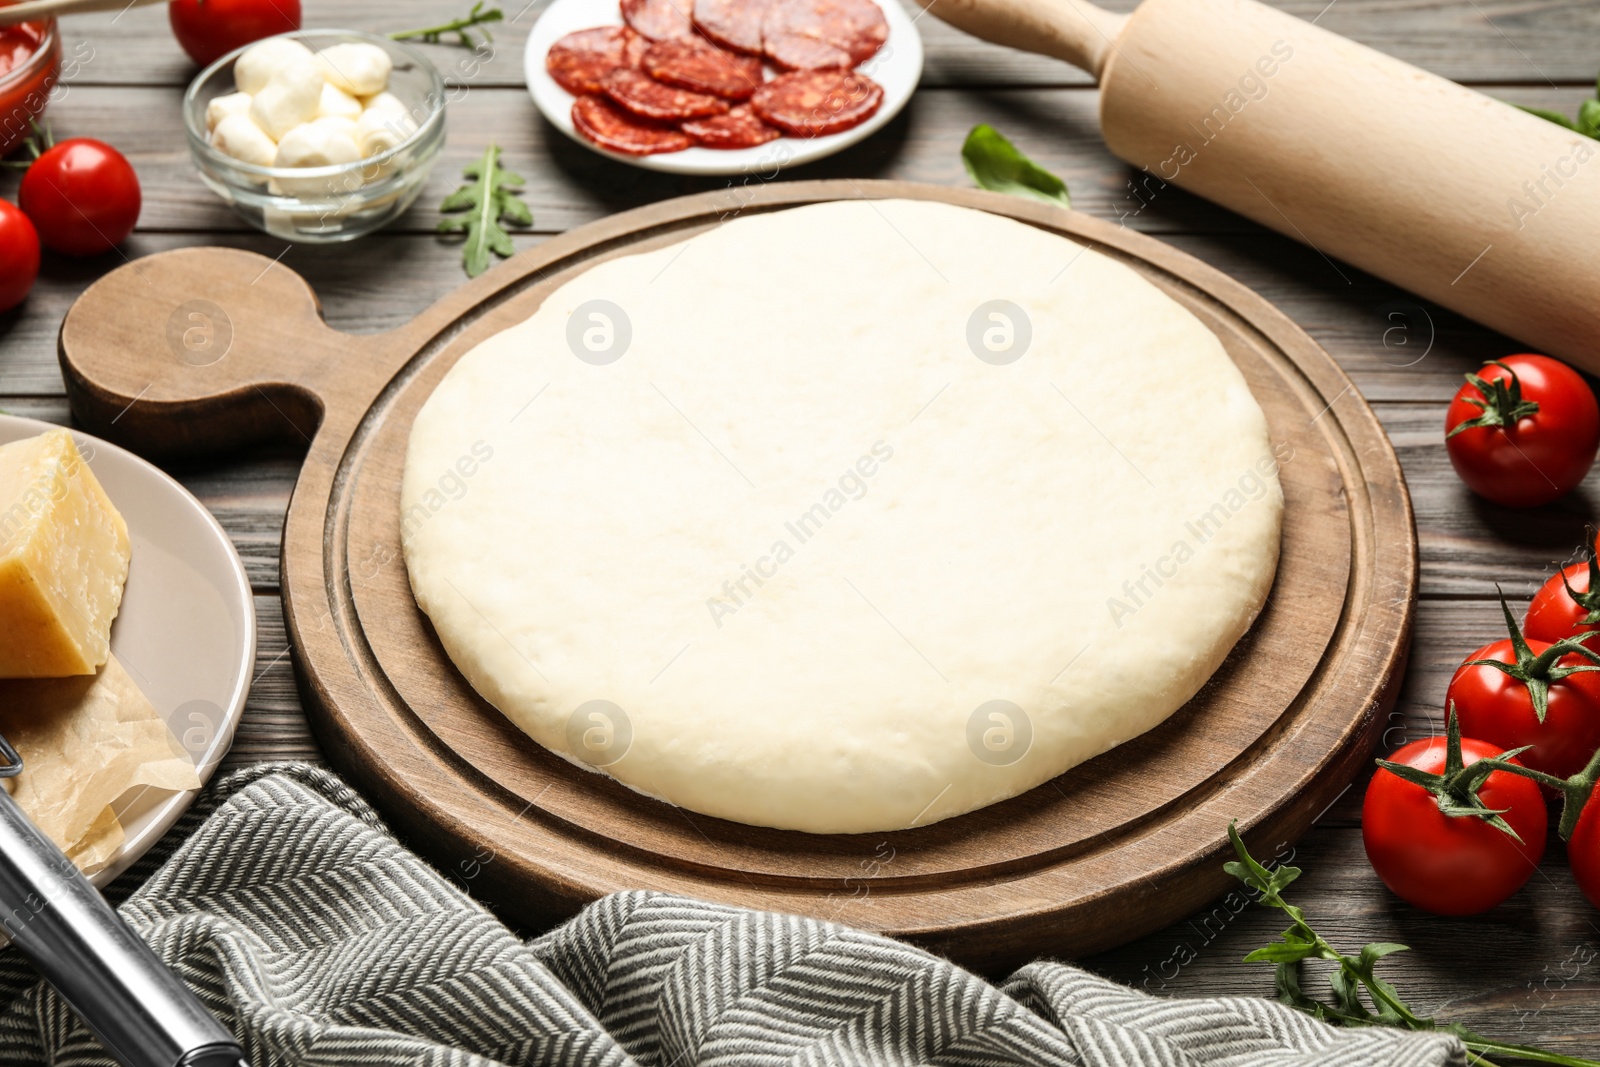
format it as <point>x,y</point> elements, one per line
<point>238,136</point>
<point>336,103</point>
<point>292,97</point>
<point>844,518</point>
<point>222,106</point>
<point>258,64</point>
<point>358,68</point>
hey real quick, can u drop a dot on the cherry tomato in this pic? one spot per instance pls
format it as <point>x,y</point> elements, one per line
<point>19,255</point>
<point>1498,708</point>
<point>1554,613</point>
<point>1451,865</point>
<point>83,197</point>
<point>1583,853</point>
<point>1525,432</point>
<point>210,29</point>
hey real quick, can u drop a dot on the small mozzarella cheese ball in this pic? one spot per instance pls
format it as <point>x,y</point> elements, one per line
<point>358,68</point>
<point>323,143</point>
<point>336,103</point>
<point>291,98</point>
<point>223,106</point>
<point>255,68</point>
<point>379,130</point>
<point>237,136</point>
<point>384,101</point>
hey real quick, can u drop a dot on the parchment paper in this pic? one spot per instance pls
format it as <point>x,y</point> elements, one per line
<point>85,744</point>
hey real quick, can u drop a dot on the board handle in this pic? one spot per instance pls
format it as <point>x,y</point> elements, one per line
<point>1074,30</point>
<point>201,349</point>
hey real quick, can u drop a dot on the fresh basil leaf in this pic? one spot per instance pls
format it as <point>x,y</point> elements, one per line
<point>1549,116</point>
<point>1589,119</point>
<point>995,163</point>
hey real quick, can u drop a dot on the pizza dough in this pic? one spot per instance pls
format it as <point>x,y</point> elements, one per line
<point>845,518</point>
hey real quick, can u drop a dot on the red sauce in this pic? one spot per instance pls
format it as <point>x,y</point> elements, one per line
<point>25,82</point>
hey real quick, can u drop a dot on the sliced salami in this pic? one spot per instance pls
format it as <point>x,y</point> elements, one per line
<point>734,24</point>
<point>609,126</point>
<point>579,61</point>
<point>659,20</point>
<point>856,26</point>
<point>739,128</point>
<point>813,103</point>
<point>633,52</point>
<point>648,98</point>
<point>703,67</point>
<point>792,51</point>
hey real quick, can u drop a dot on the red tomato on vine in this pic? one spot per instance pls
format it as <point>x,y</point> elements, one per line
<point>1523,431</point>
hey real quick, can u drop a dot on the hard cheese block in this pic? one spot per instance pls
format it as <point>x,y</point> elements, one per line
<point>63,560</point>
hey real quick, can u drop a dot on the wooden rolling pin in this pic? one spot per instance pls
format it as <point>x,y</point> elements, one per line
<point>1460,198</point>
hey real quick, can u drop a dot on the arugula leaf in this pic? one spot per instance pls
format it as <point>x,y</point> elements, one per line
<point>1354,983</point>
<point>461,27</point>
<point>489,198</point>
<point>995,163</point>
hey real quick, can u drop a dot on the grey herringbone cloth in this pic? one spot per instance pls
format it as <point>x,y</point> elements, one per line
<point>320,940</point>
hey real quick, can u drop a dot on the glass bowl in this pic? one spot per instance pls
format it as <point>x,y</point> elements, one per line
<point>25,88</point>
<point>337,203</point>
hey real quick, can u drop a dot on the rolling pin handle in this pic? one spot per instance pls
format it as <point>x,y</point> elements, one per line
<point>1074,30</point>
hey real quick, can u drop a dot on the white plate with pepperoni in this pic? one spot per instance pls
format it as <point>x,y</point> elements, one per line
<point>735,87</point>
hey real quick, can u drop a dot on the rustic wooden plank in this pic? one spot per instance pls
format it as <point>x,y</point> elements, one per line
<point>569,185</point>
<point>274,726</point>
<point>1486,41</point>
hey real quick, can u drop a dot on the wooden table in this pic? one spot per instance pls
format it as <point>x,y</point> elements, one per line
<point>1529,971</point>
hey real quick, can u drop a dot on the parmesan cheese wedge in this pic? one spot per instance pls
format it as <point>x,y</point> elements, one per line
<point>64,554</point>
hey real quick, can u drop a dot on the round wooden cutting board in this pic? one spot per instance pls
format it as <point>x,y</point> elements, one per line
<point>199,350</point>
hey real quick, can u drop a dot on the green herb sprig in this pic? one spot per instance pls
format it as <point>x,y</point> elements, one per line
<point>995,163</point>
<point>461,27</point>
<point>1360,997</point>
<point>1588,122</point>
<point>488,200</point>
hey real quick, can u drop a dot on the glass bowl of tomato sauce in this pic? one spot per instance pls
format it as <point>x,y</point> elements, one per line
<point>30,63</point>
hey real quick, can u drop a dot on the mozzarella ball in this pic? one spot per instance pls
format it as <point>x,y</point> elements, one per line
<point>222,106</point>
<point>379,130</point>
<point>323,143</point>
<point>262,60</point>
<point>292,97</point>
<point>360,69</point>
<point>237,136</point>
<point>384,101</point>
<point>336,103</point>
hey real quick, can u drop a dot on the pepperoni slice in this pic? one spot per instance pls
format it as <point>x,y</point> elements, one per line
<point>734,24</point>
<point>609,126</point>
<point>648,98</point>
<point>793,51</point>
<point>739,128</point>
<point>659,20</point>
<point>856,26</point>
<point>579,61</point>
<point>812,103</point>
<point>705,68</point>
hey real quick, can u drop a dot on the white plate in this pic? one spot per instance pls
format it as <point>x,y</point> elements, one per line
<point>896,67</point>
<point>186,631</point>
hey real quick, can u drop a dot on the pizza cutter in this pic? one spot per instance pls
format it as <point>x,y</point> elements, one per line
<point>142,1013</point>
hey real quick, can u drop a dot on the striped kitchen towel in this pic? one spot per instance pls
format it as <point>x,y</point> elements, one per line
<point>321,941</point>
